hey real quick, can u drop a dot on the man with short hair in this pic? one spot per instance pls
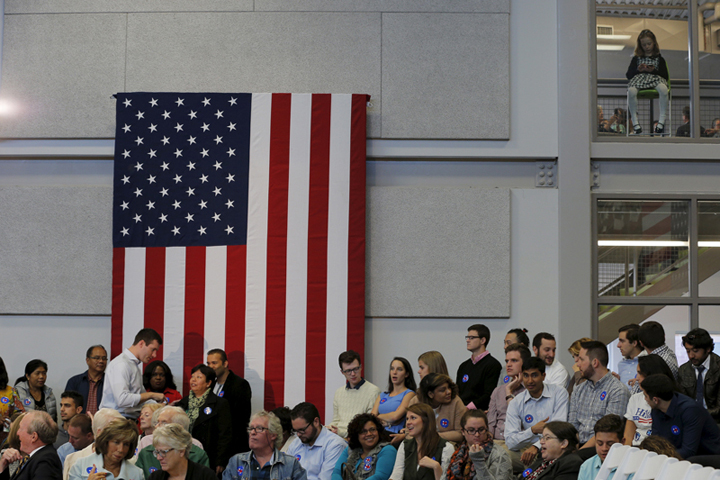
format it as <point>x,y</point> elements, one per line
<point>91,382</point>
<point>544,347</point>
<point>684,129</point>
<point>80,435</point>
<point>609,430</point>
<point>146,459</point>
<point>652,337</point>
<point>630,348</point>
<point>700,375</point>
<point>477,376</point>
<point>316,447</point>
<point>530,410</point>
<point>37,432</point>
<point>236,390</point>
<point>511,386</point>
<point>124,390</point>
<point>264,456</point>
<point>355,397</point>
<point>601,395</point>
<point>516,335</point>
<point>70,405</point>
<point>100,420</point>
<point>680,419</point>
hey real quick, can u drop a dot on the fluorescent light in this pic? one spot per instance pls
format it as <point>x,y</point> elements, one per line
<point>641,243</point>
<point>613,37</point>
<point>602,46</point>
<point>708,244</point>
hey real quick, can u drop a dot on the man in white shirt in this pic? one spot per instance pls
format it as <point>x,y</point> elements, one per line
<point>123,390</point>
<point>544,346</point>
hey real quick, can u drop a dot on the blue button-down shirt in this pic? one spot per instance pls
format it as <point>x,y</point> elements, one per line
<point>320,458</point>
<point>524,411</point>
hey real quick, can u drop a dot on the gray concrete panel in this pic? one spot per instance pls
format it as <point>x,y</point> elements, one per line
<point>464,6</point>
<point>446,76</point>
<point>59,73</point>
<point>257,52</point>
<point>57,250</point>
<point>125,6</point>
<point>438,252</point>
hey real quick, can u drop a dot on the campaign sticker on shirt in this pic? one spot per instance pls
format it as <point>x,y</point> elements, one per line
<point>444,423</point>
<point>649,433</point>
<point>4,400</point>
<point>528,418</point>
<point>465,378</point>
<point>136,452</point>
<point>27,401</point>
<point>603,395</point>
<point>506,379</point>
<point>221,394</point>
<point>152,469</point>
<point>240,470</point>
<point>675,430</point>
<point>298,457</point>
<point>207,410</point>
<point>368,464</point>
<point>89,469</point>
<point>434,459</point>
<point>167,399</point>
<point>527,472</point>
<point>383,400</point>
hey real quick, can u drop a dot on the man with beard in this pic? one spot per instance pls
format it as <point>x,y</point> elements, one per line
<point>601,395</point>
<point>544,346</point>
<point>316,447</point>
<point>700,376</point>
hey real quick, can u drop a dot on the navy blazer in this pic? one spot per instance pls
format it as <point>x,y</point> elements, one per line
<point>81,384</point>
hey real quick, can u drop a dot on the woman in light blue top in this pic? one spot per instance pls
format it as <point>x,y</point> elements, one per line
<point>369,455</point>
<point>391,405</point>
<point>113,448</point>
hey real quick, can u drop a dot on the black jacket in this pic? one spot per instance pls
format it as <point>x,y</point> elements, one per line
<point>238,393</point>
<point>711,384</point>
<point>45,465</point>
<point>566,467</point>
<point>194,472</point>
<point>213,428</point>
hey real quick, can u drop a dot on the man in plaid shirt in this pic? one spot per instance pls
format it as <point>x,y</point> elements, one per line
<point>601,395</point>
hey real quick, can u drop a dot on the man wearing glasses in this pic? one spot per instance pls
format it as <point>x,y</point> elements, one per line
<point>264,461</point>
<point>478,376</point>
<point>355,397</point>
<point>316,447</point>
<point>90,383</point>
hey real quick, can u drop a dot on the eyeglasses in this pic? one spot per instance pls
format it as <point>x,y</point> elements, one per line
<point>368,430</point>
<point>545,438</point>
<point>98,358</point>
<point>301,431</point>
<point>471,337</point>
<point>257,429</point>
<point>351,370</point>
<point>161,453</point>
<point>473,431</point>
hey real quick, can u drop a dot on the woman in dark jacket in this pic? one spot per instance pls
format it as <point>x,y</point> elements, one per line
<point>558,462</point>
<point>210,420</point>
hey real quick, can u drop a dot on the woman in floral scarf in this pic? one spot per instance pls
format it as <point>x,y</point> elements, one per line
<point>369,455</point>
<point>477,457</point>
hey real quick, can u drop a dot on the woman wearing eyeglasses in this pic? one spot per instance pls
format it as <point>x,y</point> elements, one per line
<point>113,448</point>
<point>369,454</point>
<point>425,455</point>
<point>559,440</point>
<point>172,445</point>
<point>477,457</point>
<point>210,420</point>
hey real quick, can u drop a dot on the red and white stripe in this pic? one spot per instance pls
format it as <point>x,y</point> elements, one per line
<point>289,302</point>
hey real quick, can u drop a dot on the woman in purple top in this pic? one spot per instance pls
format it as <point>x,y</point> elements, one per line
<point>391,405</point>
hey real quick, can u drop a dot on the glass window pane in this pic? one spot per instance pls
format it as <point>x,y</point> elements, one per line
<point>709,248</point>
<point>642,248</point>
<point>618,27</point>
<point>708,65</point>
<point>675,319</point>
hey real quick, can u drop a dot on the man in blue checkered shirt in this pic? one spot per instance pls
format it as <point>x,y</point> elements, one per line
<point>601,395</point>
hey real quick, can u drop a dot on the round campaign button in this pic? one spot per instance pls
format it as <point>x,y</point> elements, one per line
<point>383,400</point>
<point>675,430</point>
<point>27,401</point>
<point>367,466</point>
<point>298,457</point>
<point>207,410</point>
<point>506,379</point>
<point>240,470</point>
<point>528,418</point>
<point>603,395</point>
<point>89,469</point>
<point>5,400</point>
<point>221,394</point>
<point>444,423</point>
<point>152,469</point>
<point>167,399</point>
<point>527,472</point>
<point>465,378</point>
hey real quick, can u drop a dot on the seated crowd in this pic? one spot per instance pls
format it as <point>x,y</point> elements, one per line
<point>533,421</point>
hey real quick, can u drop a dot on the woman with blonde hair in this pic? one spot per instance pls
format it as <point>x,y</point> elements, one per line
<point>577,376</point>
<point>431,362</point>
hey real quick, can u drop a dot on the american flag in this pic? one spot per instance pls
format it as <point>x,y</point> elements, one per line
<point>239,223</point>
